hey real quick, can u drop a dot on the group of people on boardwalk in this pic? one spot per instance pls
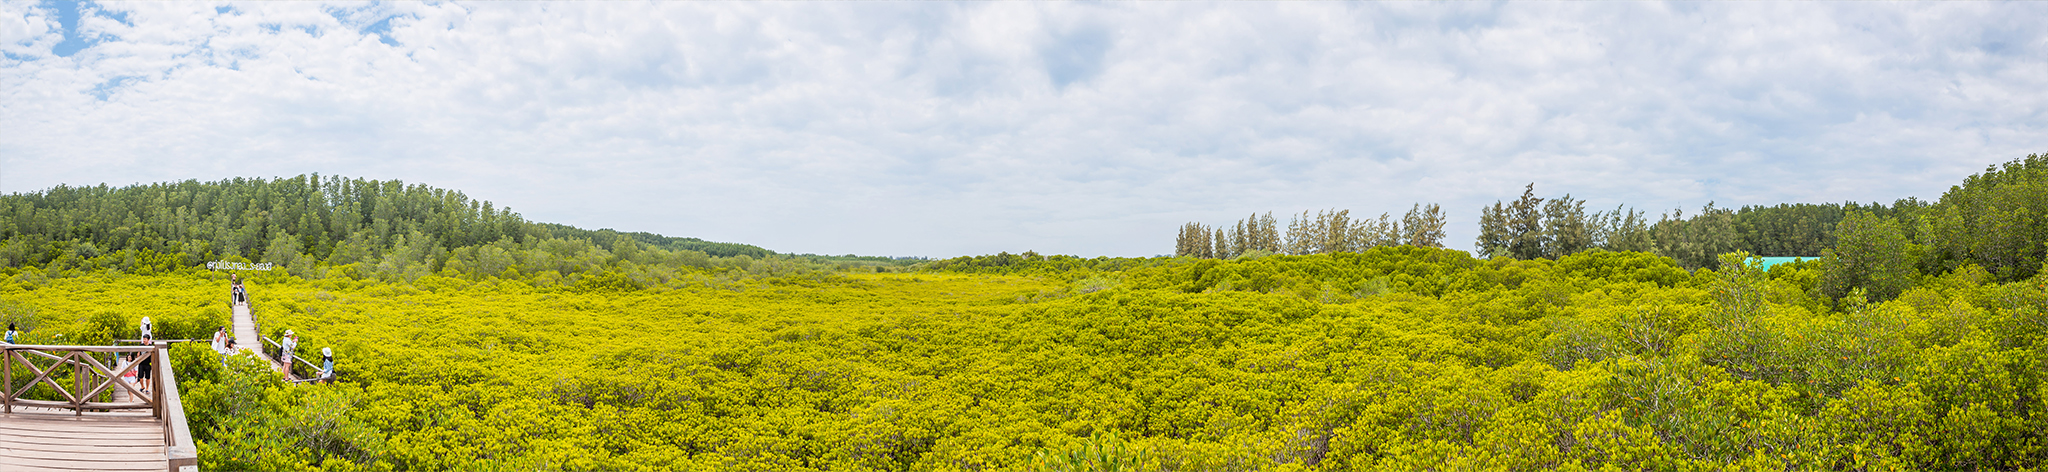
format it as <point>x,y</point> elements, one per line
<point>224,342</point>
<point>289,349</point>
<point>236,291</point>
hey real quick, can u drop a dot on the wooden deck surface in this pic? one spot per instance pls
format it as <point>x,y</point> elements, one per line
<point>38,439</point>
<point>248,338</point>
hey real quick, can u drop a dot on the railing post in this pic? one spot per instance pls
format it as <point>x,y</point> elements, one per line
<point>181,451</point>
<point>92,377</point>
<point>7,372</point>
<point>78,379</point>
<point>156,395</point>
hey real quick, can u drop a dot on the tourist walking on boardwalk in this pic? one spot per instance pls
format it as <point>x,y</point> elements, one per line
<point>12,336</point>
<point>220,340</point>
<point>290,345</point>
<point>143,372</point>
<point>143,330</point>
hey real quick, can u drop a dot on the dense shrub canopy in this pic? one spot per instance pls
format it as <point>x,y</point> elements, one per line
<point>1398,358</point>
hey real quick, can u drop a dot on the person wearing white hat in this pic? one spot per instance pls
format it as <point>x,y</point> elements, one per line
<point>326,365</point>
<point>290,345</point>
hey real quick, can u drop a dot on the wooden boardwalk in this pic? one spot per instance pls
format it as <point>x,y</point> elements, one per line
<point>86,417</point>
<point>249,338</point>
<point>65,427</point>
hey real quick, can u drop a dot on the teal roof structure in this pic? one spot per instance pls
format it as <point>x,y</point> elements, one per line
<point>1771,261</point>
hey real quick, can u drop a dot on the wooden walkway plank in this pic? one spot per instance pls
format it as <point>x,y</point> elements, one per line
<point>75,448</point>
<point>43,443</point>
<point>54,429</point>
<point>27,464</point>
<point>17,429</point>
<point>63,415</point>
<point>31,435</point>
<point>89,456</point>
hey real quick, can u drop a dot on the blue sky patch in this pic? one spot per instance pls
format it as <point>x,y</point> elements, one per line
<point>107,89</point>
<point>382,28</point>
<point>70,14</point>
<point>67,16</point>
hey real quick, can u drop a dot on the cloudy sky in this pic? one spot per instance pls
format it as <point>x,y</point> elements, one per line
<point>942,129</point>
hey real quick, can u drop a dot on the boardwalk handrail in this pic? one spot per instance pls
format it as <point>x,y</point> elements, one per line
<point>90,377</point>
<point>297,359</point>
<point>179,449</point>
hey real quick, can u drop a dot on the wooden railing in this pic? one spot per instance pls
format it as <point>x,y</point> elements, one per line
<point>180,451</point>
<point>88,377</point>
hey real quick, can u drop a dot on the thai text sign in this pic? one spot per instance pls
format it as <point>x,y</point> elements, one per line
<point>225,265</point>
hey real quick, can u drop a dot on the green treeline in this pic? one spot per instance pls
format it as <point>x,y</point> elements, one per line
<point>313,225</point>
<point>1531,227</point>
<point>1324,232</point>
<point>1997,220</point>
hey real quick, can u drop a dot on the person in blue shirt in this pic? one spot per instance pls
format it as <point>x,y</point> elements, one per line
<point>326,365</point>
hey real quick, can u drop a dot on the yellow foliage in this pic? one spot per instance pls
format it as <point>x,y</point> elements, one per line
<point>1393,359</point>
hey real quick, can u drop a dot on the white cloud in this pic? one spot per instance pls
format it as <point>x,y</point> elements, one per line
<point>946,129</point>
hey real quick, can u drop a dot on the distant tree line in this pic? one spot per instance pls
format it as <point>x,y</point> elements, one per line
<point>311,224</point>
<point>1532,227</point>
<point>1996,220</point>
<point>1033,263</point>
<point>1325,231</point>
